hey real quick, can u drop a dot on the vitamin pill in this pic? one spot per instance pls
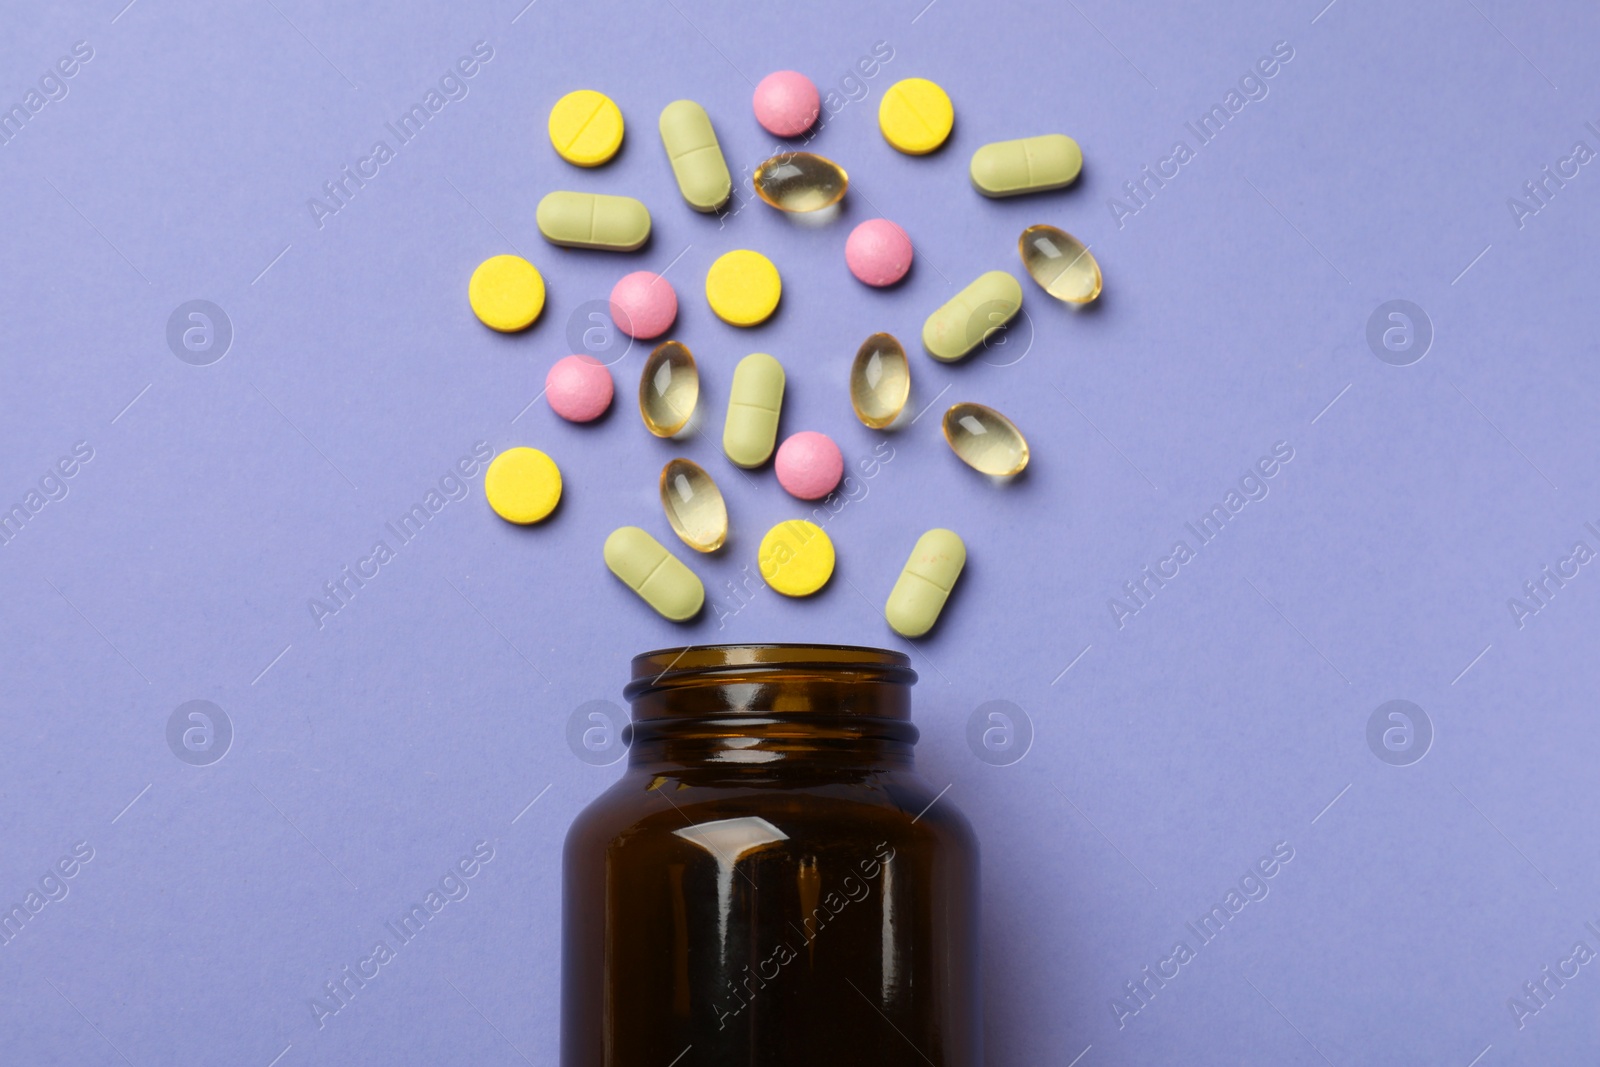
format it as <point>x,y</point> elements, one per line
<point>971,316</point>
<point>695,156</point>
<point>743,287</point>
<point>915,116</point>
<point>669,388</point>
<point>880,381</point>
<point>985,440</point>
<point>643,305</point>
<point>523,485</point>
<point>1060,263</point>
<point>878,252</point>
<point>1027,165</point>
<point>809,465</point>
<point>694,505</point>
<point>787,103</point>
<point>660,578</point>
<point>796,558</point>
<point>754,401</point>
<point>586,128</point>
<point>925,583</point>
<point>579,388</point>
<point>506,293</point>
<point>800,181</point>
<point>593,220</point>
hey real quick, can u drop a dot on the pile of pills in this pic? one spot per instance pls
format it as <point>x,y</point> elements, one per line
<point>743,288</point>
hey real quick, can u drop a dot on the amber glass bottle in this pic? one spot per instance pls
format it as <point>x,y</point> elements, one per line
<point>770,882</point>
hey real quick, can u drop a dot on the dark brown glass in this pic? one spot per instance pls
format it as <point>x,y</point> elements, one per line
<point>770,882</point>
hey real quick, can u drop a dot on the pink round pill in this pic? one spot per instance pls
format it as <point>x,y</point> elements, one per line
<point>643,305</point>
<point>878,252</point>
<point>809,465</point>
<point>787,103</point>
<point>578,388</point>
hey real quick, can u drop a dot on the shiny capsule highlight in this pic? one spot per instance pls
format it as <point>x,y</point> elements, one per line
<point>880,380</point>
<point>985,440</point>
<point>669,388</point>
<point>800,181</point>
<point>1060,263</point>
<point>694,505</point>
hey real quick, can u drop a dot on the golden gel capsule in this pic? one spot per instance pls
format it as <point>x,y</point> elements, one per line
<point>1060,263</point>
<point>694,505</point>
<point>660,578</point>
<point>669,388</point>
<point>880,381</point>
<point>925,583</point>
<point>800,181</point>
<point>754,401</point>
<point>1028,165</point>
<point>594,220</point>
<point>695,156</point>
<point>970,316</point>
<point>985,440</point>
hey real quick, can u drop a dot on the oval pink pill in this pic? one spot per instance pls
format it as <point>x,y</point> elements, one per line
<point>643,305</point>
<point>787,103</point>
<point>878,252</point>
<point>579,388</point>
<point>809,465</point>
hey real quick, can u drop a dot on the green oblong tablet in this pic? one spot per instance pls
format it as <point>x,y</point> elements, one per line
<point>594,220</point>
<point>969,317</point>
<point>660,578</point>
<point>925,583</point>
<point>696,158</point>
<point>1026,165</point>
<point>754,401</point>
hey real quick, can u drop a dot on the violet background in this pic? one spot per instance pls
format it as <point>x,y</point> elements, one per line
<point>1229,715</point>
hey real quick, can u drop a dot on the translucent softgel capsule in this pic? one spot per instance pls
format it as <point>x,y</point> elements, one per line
<point>800,181</point>
<point>880,380</point>
<point>985,440</point>
<point>1060,263</point>
<point>694,506</point>
<point>669,388</point>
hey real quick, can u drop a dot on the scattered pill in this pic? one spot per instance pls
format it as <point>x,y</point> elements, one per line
<point>669,388</point>
<point>925,582</point>
<point>880,381</point>
<point>694,505</point>
<point>754,401</point>
<point>800,181</point>
<point>695,156</point>
<point>579,388</point>
<point>586,128</point>
<point>1060,263</point>
<point>878,252</point>
<point>809,465</point>
<point>796,558</point>
<point>743,287</point>
<point>915,116</point>
<point>506,293</point>
<point>985,440</point>
<point>661,579</point>
<point>787,103</point>
<point>643,305</point>
<point>971,316</point>
<point>1027,165</point>
<point>593,220</point>
<point>523,485</point>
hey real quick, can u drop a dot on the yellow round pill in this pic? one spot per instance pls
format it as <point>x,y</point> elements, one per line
<point>507,293</point>
<point>915,116</point>
<point>743,287</point>
<point>796,558</point>
<point>523,485</point>
<point>586,128</point>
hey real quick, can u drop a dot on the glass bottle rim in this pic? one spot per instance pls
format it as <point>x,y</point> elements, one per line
<point>664,667</point>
